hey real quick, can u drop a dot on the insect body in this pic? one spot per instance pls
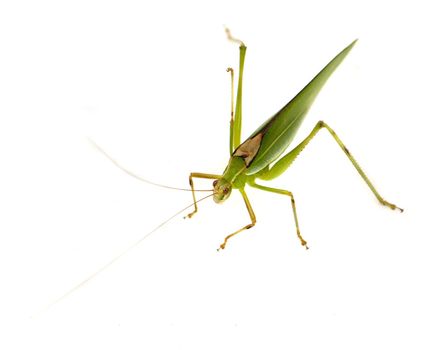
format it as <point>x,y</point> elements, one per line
<point>253,159</point>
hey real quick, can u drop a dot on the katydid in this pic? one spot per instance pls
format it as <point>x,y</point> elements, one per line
<point>257,157</point>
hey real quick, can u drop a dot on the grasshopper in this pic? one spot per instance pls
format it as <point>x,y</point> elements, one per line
<point>257,157</point>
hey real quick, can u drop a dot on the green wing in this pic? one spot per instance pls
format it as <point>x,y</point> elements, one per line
<point>279,130</point>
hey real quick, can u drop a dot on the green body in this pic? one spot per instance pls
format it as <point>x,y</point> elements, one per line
<point>280,129</point>
<point>253,159</point>
<point>276,134</point>
<point>258,156</point>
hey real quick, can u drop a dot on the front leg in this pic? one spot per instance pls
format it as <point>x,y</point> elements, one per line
<point>191,183</point>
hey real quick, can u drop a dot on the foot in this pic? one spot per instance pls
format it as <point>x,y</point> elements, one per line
<point>302,241</point>
<point>391,206</point>
<point>222,246</point>
<point>188,216</point>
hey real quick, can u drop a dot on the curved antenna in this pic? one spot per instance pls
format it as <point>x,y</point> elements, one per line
<point>137,176</point>
<point>116,258</point>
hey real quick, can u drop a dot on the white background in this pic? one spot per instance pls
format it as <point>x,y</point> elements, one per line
<point>148,83</point>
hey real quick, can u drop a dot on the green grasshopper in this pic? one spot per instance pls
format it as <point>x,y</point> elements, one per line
<point>253,159</point>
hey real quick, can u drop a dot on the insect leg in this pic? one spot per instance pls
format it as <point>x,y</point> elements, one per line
<point>191,183</point>
<point>235,127</point>
<point>252,218</point>
<point>232,109</point>
<point>293,204</point>
<point>282,165</point>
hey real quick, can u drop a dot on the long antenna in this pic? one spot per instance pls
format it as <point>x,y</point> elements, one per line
<point>116,258</point>
<point>137,176</point>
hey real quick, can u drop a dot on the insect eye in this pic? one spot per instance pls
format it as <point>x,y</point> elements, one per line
<point>226,190</point>
<point>215,182</point>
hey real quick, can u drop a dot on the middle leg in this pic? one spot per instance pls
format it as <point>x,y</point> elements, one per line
<point>252,218</point>
<point>293,204</point>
